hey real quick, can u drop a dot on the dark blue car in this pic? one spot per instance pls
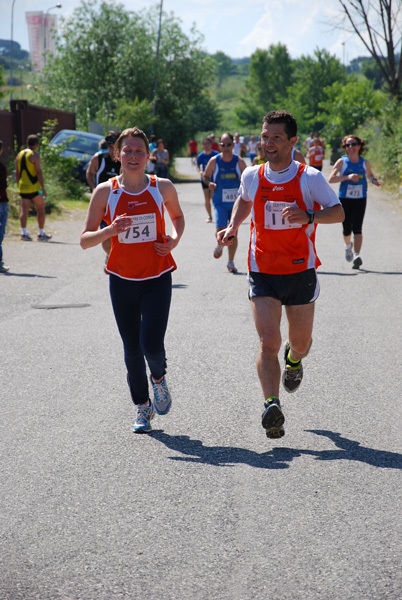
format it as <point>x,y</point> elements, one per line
<point>80,144</point>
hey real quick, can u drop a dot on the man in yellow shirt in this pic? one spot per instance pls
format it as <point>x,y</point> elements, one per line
<point>31,187</point>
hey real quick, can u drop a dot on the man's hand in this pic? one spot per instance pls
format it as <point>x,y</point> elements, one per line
<point>226,236</point>
<point>294,214</point>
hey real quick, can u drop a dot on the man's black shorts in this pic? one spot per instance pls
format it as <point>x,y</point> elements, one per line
<point>30,196</point>
<point>290,290</point>
<point>204,186</point>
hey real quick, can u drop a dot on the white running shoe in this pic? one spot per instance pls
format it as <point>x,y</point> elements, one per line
<point>349,253</point>
<point>162,398</point>
<point>44,237</point>
<point>145,413</point>
<point>231,267</point>
<point>218,251</point>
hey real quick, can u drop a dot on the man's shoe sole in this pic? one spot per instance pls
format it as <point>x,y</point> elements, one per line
<point>273,420</point>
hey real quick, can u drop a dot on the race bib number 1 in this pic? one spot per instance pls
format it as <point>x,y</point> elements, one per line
<point>142,230</point>
<point>274,219</point>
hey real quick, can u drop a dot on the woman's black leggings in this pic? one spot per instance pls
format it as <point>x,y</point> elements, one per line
<point>141,309</point>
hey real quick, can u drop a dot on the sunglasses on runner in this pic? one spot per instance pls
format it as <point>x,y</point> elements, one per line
<point>353,144</point>
<point>225,145</point>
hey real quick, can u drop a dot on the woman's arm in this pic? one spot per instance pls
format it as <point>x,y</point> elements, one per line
<point>91,234</point>
<point>173,207</point>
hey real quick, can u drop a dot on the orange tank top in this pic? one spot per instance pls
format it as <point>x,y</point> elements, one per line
<point>276,246</point>
<point>316,156</point>
<point>133,255</point>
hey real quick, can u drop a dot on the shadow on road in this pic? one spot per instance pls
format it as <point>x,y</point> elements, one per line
<point>11,274</point>
<point>357,271</point>
<point>276,458</point>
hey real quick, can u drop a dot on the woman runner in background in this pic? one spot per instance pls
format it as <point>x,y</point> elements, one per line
<point>352,171</point>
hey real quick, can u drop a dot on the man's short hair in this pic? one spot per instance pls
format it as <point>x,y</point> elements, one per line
<point>227,133</point>
<point>32,140</point>
<point>112,137</point>
<point>284,117</point>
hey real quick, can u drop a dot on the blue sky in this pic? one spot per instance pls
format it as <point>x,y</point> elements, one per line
<point>236,27</point>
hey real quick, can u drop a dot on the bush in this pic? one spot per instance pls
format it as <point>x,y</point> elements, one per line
<point>59,170</point>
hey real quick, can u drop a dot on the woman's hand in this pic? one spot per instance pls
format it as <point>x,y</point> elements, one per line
<point>164,248</point>
<point>120,224</point>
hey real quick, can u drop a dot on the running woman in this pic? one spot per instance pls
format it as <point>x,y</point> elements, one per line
<point>352,171</point>
<point>140,266</point>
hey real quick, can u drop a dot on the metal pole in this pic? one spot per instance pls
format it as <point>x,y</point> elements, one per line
<point>58,5</point>
<point>11,49</point>
<point>156,70</point>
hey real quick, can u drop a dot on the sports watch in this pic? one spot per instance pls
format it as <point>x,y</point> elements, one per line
<point>310,213</point>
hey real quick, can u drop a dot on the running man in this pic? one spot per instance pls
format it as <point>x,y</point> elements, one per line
<point>202,161</point>
<point>31,187</point>
<point>351,171</point>
<point>222,175</point>
<point>287,200</point>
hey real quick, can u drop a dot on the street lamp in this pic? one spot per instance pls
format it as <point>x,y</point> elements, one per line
<point>58,5</point>
<point>11,49</point>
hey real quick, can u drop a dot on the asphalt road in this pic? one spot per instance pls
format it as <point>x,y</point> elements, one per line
<point>206,507</point>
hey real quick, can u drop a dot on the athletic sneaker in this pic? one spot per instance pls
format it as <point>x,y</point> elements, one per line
<point>208,220</point>
<point>273,419</point>
<point>357,263</point>
<point>291,376</point>
<point>3,268</point>
<point>144,416</point>
<point>231,267</point>
<point>44,237</point>
<point>348,253</point>
<point>25,237</point>
<point>162,398</point>
<point>218,251</point>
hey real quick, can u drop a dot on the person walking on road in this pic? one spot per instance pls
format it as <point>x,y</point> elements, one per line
<point>3,208</point>
<point>202,161</point>
<point>222,175</point>
<point>31,187</point>
<point>161,155</point>
<point>140,266</point>
<point>286,200</point>
<point>352,171</point>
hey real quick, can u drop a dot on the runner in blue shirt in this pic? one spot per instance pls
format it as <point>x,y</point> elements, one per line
<point>202,161</point>
<point>222,175</point>
<point>352,171</point>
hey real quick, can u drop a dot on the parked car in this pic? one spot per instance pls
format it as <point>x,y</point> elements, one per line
<point>80,144</point>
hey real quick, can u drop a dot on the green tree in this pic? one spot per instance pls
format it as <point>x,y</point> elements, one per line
<point>111,58</point>
<point>312,75</point>
<point>271,73</point>
<point>223,66</point>
<point>347,106</point>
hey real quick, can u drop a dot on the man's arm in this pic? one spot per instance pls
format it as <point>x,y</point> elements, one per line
<point>206,176</point>
<point>35,160</point>
<point>331,214</point>
<point>240,212</point>
<point>91,172</point>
